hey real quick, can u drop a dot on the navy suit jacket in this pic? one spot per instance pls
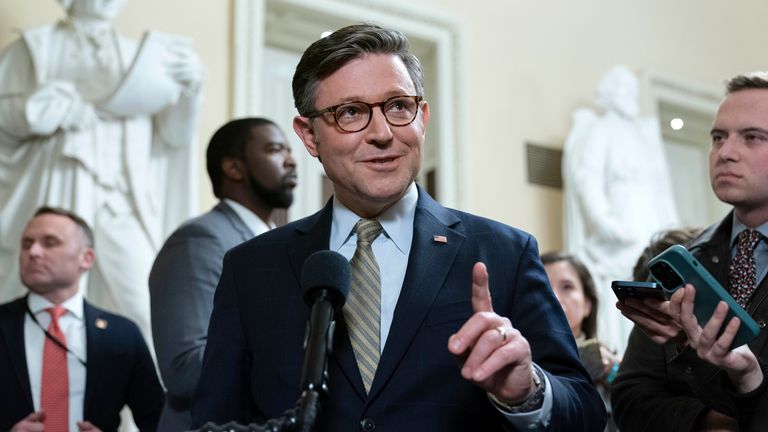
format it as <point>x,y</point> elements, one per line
<point>252,364</point>
<point>119,372</point>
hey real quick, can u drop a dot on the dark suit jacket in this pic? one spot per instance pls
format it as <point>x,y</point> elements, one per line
<point>181,284</point>
<point>253,359</point>
<point>667,387</point>
<point>120,371</point>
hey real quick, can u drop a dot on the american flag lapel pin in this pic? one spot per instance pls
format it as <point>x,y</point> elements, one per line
<point>101,323</point>
<point>440,239</point>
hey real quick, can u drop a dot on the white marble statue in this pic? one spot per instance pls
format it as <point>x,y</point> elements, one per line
<point>88,125</point>
<point>617,191</point>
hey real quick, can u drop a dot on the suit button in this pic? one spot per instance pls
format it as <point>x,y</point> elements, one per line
<point>761,324</point>
<point>367,424</point>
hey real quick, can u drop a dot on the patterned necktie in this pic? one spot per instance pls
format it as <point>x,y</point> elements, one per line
<point>54,391</point>
<point>743,273</point>
<point>363,308</point>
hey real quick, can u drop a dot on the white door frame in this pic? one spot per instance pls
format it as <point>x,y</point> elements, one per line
<point>445,32</point>
<point>662,88</point>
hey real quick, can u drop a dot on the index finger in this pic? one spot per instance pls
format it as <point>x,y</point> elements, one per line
<point>481,293</point>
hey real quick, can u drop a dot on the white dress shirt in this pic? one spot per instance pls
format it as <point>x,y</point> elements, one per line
<point>249,218</point>
<point>72,324</point>
<point>392,249</point>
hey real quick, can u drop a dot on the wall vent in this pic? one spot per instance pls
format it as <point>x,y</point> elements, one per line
<point>544,165</point>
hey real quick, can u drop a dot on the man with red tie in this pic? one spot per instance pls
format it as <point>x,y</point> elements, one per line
<point>64,364</point>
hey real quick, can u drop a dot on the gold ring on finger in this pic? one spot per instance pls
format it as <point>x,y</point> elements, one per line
<point>503,333</point>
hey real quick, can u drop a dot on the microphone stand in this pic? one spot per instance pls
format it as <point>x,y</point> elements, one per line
<point>300,418</point>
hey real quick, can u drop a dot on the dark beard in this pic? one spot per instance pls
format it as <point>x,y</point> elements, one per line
<point>280,197</point>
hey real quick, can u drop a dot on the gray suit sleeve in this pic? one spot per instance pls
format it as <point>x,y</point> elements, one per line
<point>182,284</point>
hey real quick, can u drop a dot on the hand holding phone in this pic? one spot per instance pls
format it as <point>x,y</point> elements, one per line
<point>675,267</point>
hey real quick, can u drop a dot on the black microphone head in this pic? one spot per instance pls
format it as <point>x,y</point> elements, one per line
<point>326,270</point>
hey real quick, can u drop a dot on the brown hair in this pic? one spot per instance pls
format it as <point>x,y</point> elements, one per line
<point>329,54</point>
<point>589,325</point>
<point>659,243</point>
<point>747,81</point>
<point>80,222</point>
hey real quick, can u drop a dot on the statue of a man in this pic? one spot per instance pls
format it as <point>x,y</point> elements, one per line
<point>617,191</point>
<point>128,170</point>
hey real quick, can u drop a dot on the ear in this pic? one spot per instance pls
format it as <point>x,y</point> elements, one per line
<point>233,168</point>
<point>306,132</point>
<point>87,259</point>
<point>424,110</point>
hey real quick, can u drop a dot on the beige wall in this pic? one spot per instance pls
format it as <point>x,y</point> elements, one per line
<point>530,64</point>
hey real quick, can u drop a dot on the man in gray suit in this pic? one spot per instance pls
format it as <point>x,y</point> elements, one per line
<point>252,172</point>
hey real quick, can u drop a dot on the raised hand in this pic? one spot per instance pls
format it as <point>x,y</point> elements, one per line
<point>492,353</point>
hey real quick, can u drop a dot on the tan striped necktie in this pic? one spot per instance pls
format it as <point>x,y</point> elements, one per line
<point>363,308</point>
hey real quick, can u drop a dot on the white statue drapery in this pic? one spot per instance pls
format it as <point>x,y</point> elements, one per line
<point>617,192</point>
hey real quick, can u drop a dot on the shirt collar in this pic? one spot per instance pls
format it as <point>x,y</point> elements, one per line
<point>249,218</point>
<point>738,227</point>
<point>73,305</point>
<point>397,221</point>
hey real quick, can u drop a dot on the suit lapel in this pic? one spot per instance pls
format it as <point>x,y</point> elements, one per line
<point>96,338</point>
<point>315,235</point>
<point>237,223</point>
<point>428,265</point>
<point>13,333</point>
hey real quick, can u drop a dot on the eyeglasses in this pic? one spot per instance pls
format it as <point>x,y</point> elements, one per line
<point>356,116</point>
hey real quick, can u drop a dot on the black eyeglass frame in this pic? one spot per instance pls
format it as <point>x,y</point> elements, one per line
<point>332,109</point>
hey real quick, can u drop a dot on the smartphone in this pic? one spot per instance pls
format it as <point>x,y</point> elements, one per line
<point>675,267</point>
<point>624,289</point>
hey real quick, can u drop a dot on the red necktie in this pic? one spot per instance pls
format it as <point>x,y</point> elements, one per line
<point>743,274</point>
<point>54,392</point>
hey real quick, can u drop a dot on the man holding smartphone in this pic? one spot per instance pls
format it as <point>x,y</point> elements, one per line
<point>677,375</point>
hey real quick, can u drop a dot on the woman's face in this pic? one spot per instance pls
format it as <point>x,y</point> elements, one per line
<point>570,292</point>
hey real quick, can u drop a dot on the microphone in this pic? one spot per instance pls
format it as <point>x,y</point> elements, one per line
<point>325,278</point>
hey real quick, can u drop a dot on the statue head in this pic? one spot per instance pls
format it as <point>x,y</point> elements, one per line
<point>93,9</point>
<point>619,91</point>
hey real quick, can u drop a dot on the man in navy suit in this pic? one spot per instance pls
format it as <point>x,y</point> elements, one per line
<point>461,330</point>
<point>104,360</point>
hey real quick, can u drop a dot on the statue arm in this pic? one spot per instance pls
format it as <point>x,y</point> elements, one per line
<point>28,109</point>
<point>176,124</point>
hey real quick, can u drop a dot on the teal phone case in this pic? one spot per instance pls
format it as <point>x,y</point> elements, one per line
<point>675,267</point>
